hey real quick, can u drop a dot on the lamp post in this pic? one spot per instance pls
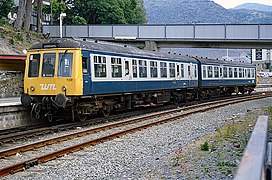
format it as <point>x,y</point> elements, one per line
<point>62,15</point>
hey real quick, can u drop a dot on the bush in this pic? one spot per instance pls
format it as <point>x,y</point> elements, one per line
<point>204,146</point>
<point>3,21</point>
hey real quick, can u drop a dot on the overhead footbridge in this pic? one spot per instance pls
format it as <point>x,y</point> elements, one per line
<point>155,36</point>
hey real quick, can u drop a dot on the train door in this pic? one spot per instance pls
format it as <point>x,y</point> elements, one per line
<point>221,75</point>
<point>190,74</point>
<point>86,71</point>
<point>127,70</point>
<point>178,75</point>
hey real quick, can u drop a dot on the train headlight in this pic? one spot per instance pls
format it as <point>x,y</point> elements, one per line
<point>32,88</point>
<point>64,88</point>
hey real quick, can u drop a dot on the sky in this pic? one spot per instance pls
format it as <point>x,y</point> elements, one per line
<point>232,3</point>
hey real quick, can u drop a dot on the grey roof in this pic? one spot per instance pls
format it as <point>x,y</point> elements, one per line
<point>109,47</point>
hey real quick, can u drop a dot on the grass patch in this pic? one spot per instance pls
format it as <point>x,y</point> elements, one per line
<point>220,150</point>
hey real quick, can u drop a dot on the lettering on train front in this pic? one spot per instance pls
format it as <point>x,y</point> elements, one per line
<point>45,87</point>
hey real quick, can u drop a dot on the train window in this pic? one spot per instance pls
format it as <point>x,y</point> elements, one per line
<point>48,64</point>
<point>225,72</point>
<point>178,70</point>
<point>84,65</point>
<point>235,72</point>
<point>241,73</point>
<point>210,72</point>
<point>248,73</point>
<point>65,64</point>
<point>153,69</point>
<point>172,69</point>
<point>195,70</point>
<point>182,70</point>
<point>230,72</point>
<point>142,68</point>
<point>100,66</point>
<point>216,72</point>
<point>116,67</point>
<point>253,73</point>
<point>220,72</point>
<point>34,65</point>
<point>189,70</point>
<point>134,68</point>
<point>163,69</point>
<point>204,71</point>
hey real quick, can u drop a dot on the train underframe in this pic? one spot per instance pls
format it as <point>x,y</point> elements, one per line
<point>80,108</point>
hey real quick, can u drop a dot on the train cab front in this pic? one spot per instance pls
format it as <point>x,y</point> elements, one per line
<point>52,79</point>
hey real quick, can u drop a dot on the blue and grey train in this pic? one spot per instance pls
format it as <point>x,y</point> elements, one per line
<point>87,77</point>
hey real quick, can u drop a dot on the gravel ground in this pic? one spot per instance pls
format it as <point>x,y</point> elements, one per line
<point>143,155</point>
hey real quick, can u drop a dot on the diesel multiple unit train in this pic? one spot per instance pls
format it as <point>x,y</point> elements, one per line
<point>87,77</point>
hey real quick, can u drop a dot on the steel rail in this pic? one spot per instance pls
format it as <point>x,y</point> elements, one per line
<point>42,143</point>
<point>46,130</point>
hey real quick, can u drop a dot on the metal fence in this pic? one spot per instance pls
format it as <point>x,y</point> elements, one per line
<point>256,161</point>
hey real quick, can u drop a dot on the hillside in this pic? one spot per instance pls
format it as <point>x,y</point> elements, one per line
<point>254,6</point>
<point>14,42</point>
<point>195,11</point>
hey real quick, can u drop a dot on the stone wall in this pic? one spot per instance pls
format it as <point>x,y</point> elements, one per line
<point>11,83</point>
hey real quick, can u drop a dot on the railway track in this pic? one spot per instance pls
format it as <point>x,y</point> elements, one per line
<point>43,151</point>
<point>16,134</point>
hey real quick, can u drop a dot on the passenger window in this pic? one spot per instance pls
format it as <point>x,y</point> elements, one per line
<point>65,64</point>
<point>204,71</point>
<point>225,72</point>
<point>116,67</point>
<point>48,66</point>
<point>241,73</point>
<point>134,68</point>
<point>235,73</point>
<point>210,72</point>
<point>172,70</point>
<point>182,70</point>
<point>34,65</point>
<point>248,73</point>
<point>163,69</point>
<point>216,72</point>
<point>84,65</point>
<point>153,69</point>
<point>100,66</point>
<point>253,73</point>
<point>189,70</point>
<point>230,72</point>
<point>142,68</point>
<point>195,70</point>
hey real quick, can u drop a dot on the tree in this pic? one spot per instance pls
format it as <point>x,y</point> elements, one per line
<point>28,15</point>
<point>20,14</point>
<point>107,11</point>
<point>6,6</point>
<point>39,15</point>
<point>57,8</point>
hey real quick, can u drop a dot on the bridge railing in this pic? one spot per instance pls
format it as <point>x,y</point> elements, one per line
<point>256,161</point>
<point>165,31</point>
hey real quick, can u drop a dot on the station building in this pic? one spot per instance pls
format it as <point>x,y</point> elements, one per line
<point>262,58</point>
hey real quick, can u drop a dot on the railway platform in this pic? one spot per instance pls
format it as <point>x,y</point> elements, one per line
<point>12,113</point>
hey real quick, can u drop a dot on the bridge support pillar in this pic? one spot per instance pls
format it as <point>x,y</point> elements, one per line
<point>151,46</point>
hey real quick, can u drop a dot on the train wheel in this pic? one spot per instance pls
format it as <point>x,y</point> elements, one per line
<point>82,117</point>
<point>106,111</point>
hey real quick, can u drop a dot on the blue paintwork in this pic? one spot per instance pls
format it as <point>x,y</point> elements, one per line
<point>86,77</point>
<point>227,82</point>
<point>108,87</point>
